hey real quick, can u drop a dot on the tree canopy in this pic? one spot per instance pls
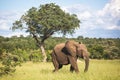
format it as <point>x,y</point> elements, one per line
<point>44,21</point>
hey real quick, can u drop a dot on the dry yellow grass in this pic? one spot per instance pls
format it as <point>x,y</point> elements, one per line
<point>98,70</point>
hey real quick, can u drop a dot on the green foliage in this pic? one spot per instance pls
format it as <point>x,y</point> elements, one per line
<point>49,58</point>
<point>112,52</point>
<point>35,56</point>
<point>26,46</point>
<point>8,62</point>
<point>23,54</point>
<point>46,20</point>
<point>96,52</point>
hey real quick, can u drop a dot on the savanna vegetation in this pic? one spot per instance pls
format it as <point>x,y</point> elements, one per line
<point>42,23</point>
<point>26,47</point>
<point>98,70</point>
<point>16,50</point>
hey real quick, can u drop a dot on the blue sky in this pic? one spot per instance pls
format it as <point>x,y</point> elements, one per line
<point>100,18</point>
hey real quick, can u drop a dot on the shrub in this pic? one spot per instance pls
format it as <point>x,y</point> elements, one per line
<point>8,63</point>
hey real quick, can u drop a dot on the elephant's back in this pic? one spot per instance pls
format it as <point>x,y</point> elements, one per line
<point>58,48</point>
<point>71,43</point>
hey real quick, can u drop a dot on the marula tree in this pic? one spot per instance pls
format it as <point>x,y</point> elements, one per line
<point>44,21</point>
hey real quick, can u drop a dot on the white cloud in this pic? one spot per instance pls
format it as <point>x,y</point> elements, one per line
<point>105,18</point>
<point>75,8</point>
<point>99,21</point>
<point>108,18</point>
<point>83,12</point>
<point>84,15</point>
<point>110,15</point>
<point>3,25</point>
<point>7,18</point>
<point>113,27</point>
<point>112,8</point>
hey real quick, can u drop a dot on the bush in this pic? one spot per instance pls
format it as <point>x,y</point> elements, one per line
<point>8,63</point>
<point>35,56</point>
<point>49,58</point>
<point>96,52</point>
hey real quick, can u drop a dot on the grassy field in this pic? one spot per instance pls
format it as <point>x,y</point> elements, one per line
<point>98,70</point>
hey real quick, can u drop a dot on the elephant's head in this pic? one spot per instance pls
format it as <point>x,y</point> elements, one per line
<point>80,50</point>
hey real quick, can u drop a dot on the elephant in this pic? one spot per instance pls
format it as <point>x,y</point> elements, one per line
<point>68,53</point>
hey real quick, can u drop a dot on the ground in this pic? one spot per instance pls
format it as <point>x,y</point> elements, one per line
<point>98,70</point>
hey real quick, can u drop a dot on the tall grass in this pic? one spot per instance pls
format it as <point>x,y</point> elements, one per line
<point>98,70</point>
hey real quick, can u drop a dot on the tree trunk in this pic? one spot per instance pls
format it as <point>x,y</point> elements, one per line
<point>40,43</point>
<point>41,47</point>
<point>43,53</point>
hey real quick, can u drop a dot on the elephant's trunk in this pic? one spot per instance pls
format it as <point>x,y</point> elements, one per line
<point>86,58</point>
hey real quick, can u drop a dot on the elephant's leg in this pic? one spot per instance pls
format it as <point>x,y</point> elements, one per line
<point>71,69</point>
<point>55,63</point>
<point>60,66</point>
<point>73,63</point>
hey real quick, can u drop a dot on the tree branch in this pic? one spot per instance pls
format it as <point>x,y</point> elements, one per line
<point>34,36</point>
<point>47,35</point>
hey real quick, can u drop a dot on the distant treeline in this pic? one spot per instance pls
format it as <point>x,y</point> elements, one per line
<point>27,49</point>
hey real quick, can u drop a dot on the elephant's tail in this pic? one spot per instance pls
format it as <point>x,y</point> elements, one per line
<point>52,53</point>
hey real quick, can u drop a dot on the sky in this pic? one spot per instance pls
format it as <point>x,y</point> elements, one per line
<point>99,18</point>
